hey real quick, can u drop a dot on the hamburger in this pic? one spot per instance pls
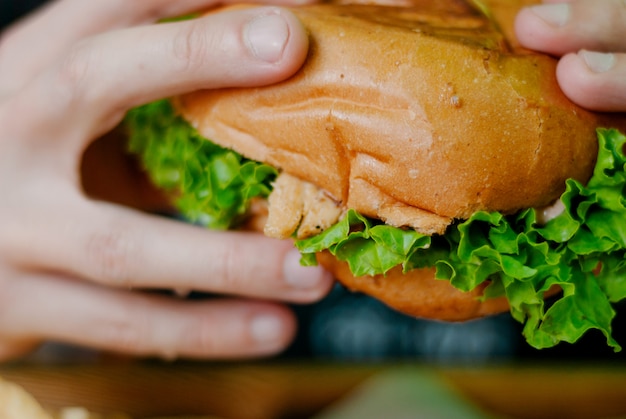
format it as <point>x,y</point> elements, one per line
<point>422,156</point>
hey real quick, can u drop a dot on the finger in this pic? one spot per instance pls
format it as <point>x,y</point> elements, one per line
<point>563,27</point>
<point>62,23</point>
<point>594,80</point>
<point>104,76</point>
<point>119,247</point>
<point>70,311</point>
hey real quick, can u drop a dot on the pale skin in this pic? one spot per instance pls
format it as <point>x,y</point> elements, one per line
<point>589,37</point>
<point>71,266</point>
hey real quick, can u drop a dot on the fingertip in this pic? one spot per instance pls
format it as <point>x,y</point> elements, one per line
<point>524,27</point>
<point>298,47</point>
<point>272,330</point>
<point>536,33</point>
<point>590,84</point>
<point>311,283</point>
<point>573,79</point>
<point>276,37</point>
<point>598,62</point>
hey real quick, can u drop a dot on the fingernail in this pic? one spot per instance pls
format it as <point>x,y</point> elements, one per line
<point>598,62</point>
<point>553,14</point>
<point>298,276</point>
<point>266,328</point>
<point>266,36</point>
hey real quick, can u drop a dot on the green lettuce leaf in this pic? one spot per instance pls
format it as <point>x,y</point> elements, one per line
<point>213,186</point>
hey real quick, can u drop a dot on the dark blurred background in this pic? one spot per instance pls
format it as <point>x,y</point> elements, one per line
<point>13,9</point>
<point>353,327</point>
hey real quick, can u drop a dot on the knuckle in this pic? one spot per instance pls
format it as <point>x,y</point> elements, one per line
<point>192,46</point>
<point>109,255</point>
<point>126,335</point>
<point>204,339</point>
<point>228,271</point>
<point>71,77</point>
<point>615,23</point>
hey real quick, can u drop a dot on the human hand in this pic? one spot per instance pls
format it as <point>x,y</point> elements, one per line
<point>73,269</point>
<point>589,37</point>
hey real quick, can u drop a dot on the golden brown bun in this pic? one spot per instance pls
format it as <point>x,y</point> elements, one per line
<point>423,113</point>
<point>417,293</point>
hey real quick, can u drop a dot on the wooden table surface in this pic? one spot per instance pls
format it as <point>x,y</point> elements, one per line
<point>293,389</point>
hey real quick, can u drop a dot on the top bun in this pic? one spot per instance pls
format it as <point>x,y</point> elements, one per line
<point>415,115</point>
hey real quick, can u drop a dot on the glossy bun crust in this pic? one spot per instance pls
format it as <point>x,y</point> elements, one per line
<point>428,111</point>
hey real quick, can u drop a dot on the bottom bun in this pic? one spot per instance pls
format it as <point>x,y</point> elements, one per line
<point>417,292</point>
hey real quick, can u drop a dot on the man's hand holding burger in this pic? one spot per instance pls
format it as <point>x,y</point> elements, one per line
<point>588,35</point>
<point>73,269</point>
